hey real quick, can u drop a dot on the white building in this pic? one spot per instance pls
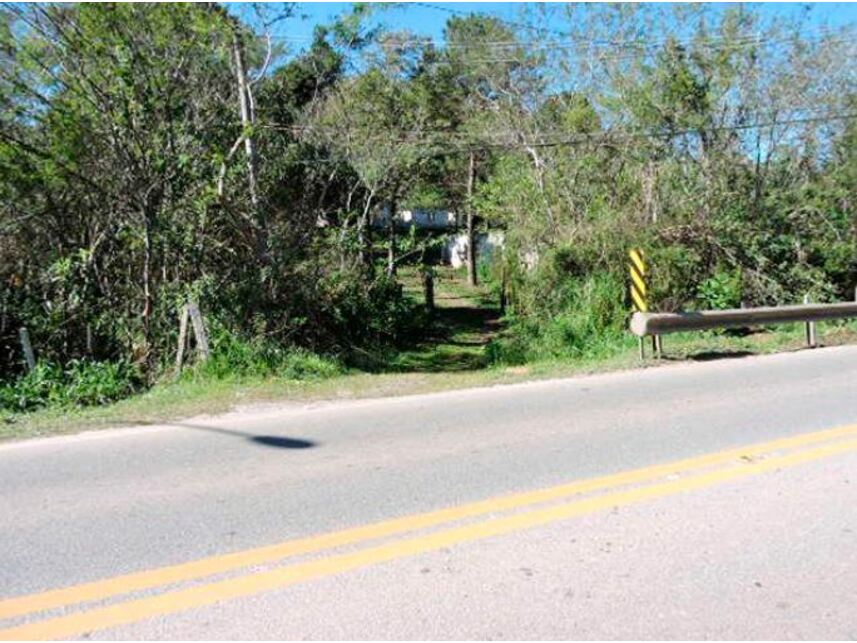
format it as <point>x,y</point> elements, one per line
<point>423,218</point>
<point>454,251</point>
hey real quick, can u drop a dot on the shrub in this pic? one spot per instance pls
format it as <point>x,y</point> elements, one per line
<point>258,356</point>
<point>590,323</point>
<point>720,291</point>
<point>80,383</point>
<point>303,365</point>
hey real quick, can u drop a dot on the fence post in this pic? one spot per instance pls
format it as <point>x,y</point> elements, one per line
<point>428,287</point>
<point>199,331</point>
<point>29,356</point>
<point>811,335</point>
<point>182,340</point>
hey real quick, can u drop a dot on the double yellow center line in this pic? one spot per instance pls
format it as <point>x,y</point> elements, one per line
<point>703,471</point>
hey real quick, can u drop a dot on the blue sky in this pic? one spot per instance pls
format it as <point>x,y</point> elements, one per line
<point>429,20</point>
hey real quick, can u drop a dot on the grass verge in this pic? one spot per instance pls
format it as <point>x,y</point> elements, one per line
<point>187,398</point>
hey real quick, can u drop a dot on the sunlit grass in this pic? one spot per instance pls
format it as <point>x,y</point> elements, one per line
<point>454,357</point>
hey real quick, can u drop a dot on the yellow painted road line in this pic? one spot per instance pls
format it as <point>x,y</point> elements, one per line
<point>79,623</point>
<point>193,570</point>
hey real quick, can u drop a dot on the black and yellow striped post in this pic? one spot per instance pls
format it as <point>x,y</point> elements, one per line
<point>640,292</point>
<point>637,268</point>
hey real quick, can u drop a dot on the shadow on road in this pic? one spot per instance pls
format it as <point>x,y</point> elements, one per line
<point>282,443</point>
<point>709,356</point>
<point>275,441</point>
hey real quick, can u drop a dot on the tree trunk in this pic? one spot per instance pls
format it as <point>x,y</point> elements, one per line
<point>247,123</point>
<point>148,298</point>
<point>503,299</point>
<point>472,278</point>
<point>649,194</point>
<point>363,233</point>
<point>538,167</point>
<point>705,163</point>
<point>391,238</point>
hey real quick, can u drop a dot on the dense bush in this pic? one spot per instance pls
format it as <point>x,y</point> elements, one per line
<point>233,356</point>
<point>79,383</point>
<point>87,383</point>
<point>586,321</point>
<point>720,291</point>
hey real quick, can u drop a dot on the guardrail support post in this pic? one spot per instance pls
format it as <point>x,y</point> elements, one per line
<point>811,333</point>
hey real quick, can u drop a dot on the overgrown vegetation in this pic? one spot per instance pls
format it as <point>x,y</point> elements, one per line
<point>78,383</point>
<point>151,155</point>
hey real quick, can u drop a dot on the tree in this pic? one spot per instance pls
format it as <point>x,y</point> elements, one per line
<point>375,124</point>
<point>113,109</point>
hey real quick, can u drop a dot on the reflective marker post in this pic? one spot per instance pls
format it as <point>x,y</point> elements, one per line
<point>639,290</point>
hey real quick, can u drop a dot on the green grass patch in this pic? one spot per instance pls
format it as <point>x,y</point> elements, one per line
<point>457,352</point>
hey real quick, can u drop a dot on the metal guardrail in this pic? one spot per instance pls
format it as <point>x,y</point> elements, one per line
<point>643,324</point>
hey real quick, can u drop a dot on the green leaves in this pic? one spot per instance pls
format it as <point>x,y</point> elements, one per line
<point>721,291</point>
<point>79,383</point>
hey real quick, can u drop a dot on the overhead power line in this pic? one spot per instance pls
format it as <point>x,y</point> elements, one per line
<point>747,40</point>
<point>603,56</point>
<point>510,23</point>
<point>459,144</point>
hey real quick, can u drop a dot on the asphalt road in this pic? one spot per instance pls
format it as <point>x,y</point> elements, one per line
<point>710,500</point>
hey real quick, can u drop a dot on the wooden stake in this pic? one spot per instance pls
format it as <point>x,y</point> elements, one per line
<point>428,288</point>
<point>182,339</point>
<point>29,356</point>
<point>199,331</point>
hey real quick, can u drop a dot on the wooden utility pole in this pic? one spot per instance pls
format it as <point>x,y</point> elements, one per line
<point>471,234</point>
<point>248,121</point>
<point>391,237</point>
<point>246,114</point>
<point>649,193</point>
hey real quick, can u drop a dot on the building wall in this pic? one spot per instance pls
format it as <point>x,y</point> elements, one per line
<point>421,218</point>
